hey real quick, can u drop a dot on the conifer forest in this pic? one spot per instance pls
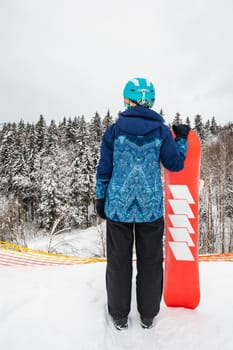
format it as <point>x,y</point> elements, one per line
<point>47,178</point>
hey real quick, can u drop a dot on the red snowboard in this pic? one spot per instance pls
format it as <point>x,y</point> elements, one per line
<point>181,284</point>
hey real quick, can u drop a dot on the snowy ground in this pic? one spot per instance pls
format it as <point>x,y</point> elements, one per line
<point>81,243</point>
<point>64,308</point>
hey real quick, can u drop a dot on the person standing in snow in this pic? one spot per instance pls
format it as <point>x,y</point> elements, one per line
<point>130,196</point>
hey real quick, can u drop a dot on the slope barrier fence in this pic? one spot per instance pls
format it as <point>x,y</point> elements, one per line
<point>15,255</point>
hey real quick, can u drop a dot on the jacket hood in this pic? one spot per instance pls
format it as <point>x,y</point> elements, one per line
<point>139,121</point>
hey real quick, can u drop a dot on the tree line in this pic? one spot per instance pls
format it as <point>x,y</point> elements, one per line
<point>47,177</point>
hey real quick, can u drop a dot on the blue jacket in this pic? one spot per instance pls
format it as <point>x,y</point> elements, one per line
<point>128,174</point>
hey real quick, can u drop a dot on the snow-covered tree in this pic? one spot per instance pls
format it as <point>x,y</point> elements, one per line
<point>53,192</point>
<point>214,126</point>
<point>177,119</point>
<point>49,173</point>
<point>187,121</point>
<point>199,127</point>
<point>108,120</point>
<point>95,128</point>
<point>52,138</point>
<point>41,134</point>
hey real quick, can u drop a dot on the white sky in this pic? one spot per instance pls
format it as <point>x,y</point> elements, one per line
<point>70,57</point>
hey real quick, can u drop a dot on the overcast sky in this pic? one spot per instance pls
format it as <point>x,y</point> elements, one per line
<point>71,57</point>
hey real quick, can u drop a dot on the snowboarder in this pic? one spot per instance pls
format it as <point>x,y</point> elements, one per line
<point>129,195</point>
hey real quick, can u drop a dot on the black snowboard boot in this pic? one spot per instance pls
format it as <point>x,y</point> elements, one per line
<point>146,323</point>
<point>120,323</point>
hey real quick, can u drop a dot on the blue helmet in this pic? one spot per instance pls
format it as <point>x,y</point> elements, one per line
<point>139,92</point>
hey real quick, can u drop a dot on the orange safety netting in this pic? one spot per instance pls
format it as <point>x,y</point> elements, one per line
<point>12,255</point>
<point>217,257</point>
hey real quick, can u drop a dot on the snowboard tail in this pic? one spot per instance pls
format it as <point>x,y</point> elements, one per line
<point>181,283</point>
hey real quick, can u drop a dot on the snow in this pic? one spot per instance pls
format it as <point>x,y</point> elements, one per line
<point>65,308</point>
<point>81,243</point>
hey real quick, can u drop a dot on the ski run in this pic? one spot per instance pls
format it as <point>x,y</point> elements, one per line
<point>64,307</point>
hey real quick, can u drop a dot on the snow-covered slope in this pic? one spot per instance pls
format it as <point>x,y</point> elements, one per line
<point>64,308</point>
<point>81,243</point>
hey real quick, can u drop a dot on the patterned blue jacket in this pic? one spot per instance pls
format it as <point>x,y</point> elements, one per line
<point>128,174</point>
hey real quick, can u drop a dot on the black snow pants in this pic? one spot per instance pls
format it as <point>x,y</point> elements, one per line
<point>149,279</point>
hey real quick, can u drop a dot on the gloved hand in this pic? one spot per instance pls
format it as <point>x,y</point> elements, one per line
<point>100,208</point>
<point>181,130</point>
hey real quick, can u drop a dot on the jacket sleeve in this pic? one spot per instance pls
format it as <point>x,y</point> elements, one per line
<point>105,165</point>
<point>173,153</point>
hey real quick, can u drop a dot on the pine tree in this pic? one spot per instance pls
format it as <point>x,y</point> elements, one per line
<point>213,126</point>
<point>41,134</point>
<point>62,133</point>
<point>53,194</point>
<point>107,121</point>
<point>199,127</point>
<point>95,128</point>
<point>81,175</point>
<point>86,192</point>
<point>161,112</point>
<point>82,130</point>
<point>31,146</point>
<point>7,157</point>
<point>52,139</point>
<point>71,130</point>
<point>188,122</point>
<point>177,119</point>
<point>19,156</point>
